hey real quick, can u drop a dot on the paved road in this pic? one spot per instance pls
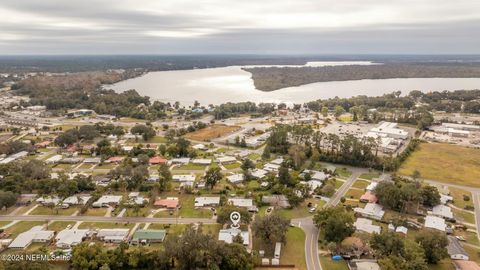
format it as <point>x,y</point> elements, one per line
<point>311,242</point>
<point>356,172</point>
<point>311,231</point>
<point>109,219</point>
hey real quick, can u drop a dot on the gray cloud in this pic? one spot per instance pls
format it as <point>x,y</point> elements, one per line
<point>227,26</point>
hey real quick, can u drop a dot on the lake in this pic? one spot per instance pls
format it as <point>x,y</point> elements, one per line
<point>232,84</point>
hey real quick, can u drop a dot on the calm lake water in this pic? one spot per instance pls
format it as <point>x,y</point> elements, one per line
<point>221,85</point>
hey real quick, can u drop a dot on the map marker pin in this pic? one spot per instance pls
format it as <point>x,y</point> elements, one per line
<point>235,218</point>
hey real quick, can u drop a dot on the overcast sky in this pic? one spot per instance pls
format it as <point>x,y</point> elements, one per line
<point>239,26</point>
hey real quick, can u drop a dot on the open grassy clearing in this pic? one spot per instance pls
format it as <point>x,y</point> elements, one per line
<point>293,251</point>
<point>190,166</point>
<point>211,132</point>
<point>22,226</point>
<point>354,194</point>
<point>343,172</point>
<point>328,263</point>
<point>59,225</point>
<point>99,212</point>
<point>459,196</point>
<point>463,216</point>
<point>105,225</point>
<point>369,175</point>
<point>44,210</point>
<point>445,163</point>
<point>362,184</point>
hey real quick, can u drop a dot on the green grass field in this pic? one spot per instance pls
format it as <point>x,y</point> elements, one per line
<point>360,184</point>
<point>22,226</point>
<point>43,210</point>
<point>105,225</point>
<point>445,163</point>
<point>458,197</point>
<point>369,175</point>
<point>328,263</point>
<point>59,225</point>
<point>294,251</point>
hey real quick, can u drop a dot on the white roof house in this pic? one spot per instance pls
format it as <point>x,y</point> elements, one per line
<point>316,175</point>
<point>202,161</point>
<point>183,177</point>
<point>444,199</point>
<point>442,211</point>
<point>77,199</point>
<point>313,184</point>
<point>35,234</point>
<point>371,186</point>
<point>53,159</point>
<point>435,222</point>
<point>399,229</point>
<point>277,161</point>
<point>236,178</point>
<point>107,199</point>
<point>200,147</point>
<point>365,225</point>
<point>113,235</point>
<point>206,201</point>
<point>227,236</point>
<point>48,200</point>
<point>70,237</point>
<point>258,173</point>
<point>226,159</point>
<point>93,160</point>
<point>270,167</point>
<point>371,210</point>
<point>180,161</point>
<point>241,202</point>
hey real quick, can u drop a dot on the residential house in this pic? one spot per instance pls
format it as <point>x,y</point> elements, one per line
<point>236,178</point>
<point>157,160</point>
<point>455,249</point>
<point>366,225</point>
<point>69,238</point>
<point>368,197</point>
<point>241,202</point>
<point>371,210</point>
<point>227,236</point>
<point>276,200</point>
<point>145,237</point>
<point>202,161</point>
<point>107,200</point>
<point>442,211</point>
<point>226,159</point>
<point>435,222</point>
<point>34,235</point>
<point>207,201</point>
<point>168,203</point>
<point>113,235</point>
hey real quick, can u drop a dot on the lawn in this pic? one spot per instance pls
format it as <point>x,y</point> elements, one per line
<point>445,264</point>
<point>445,163</point>
<point>463,216</point>
<point>99,212</point>
<point>354,194</point>
<point>43,210</point>
<point>59,225</point>
<point>22,226</point>
<point>142,212</point>
<point>157,139</point>
<point>362,184</point>
<point>105,225</point>
<point>369,175</point>
<point>343,172</point>
<point>188,210</point>
<point>212,132</point>
<point>458,198</point>
<point>190,166</point>
<point>294,250</point>
<point>329,264</point>
<point>232,166</point>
